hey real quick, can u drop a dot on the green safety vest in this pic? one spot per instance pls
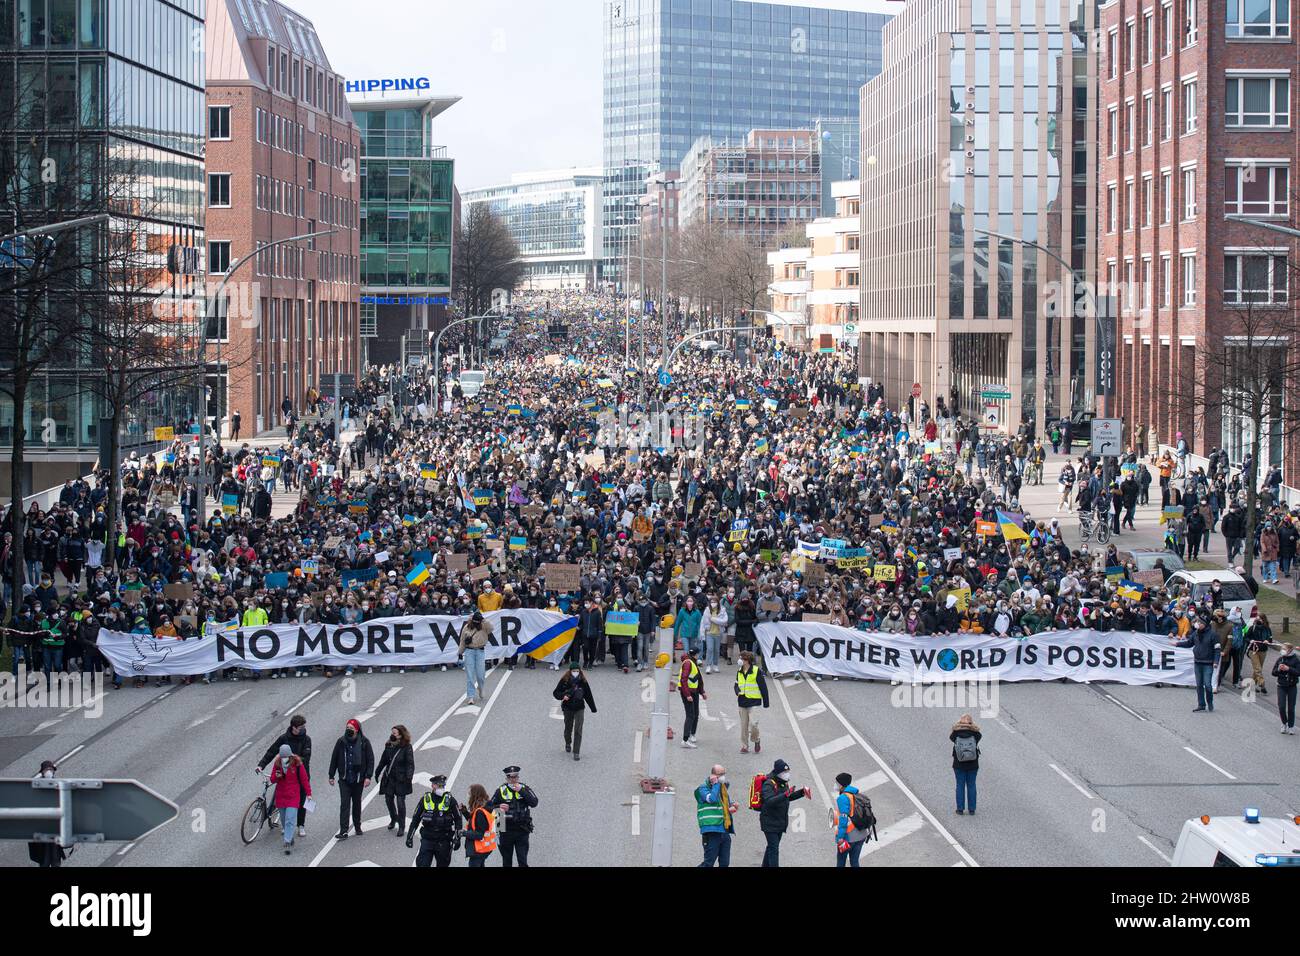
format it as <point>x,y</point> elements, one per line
<point>748,684</point>
<point>693,678</point>
<point>710,814</point>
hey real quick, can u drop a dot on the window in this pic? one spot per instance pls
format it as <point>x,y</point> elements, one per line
<point>1112,212</point>
<point>1189,279</point>
<point>1148,119</point>
<point>1146,283</point>
<point>1167,113</point>
<point>1255,277</point>
<point>1189,193</point>
<point>1130,288</point>
<point>1166,197</point>
<point>1148,200</point>
<point>1129,205</point>
<point>1148,38</point>
<point>219,190</point>
<point>218,257</point>
<point>1112,53</point>
<point>1130,46</point>
<point>1166,279</point>
<point>1130,120</point>
<point>1189,106</point>
<point>1257,101</point>
<point>1189,23</point>
<point>1167,30</point>
<point>218,122</point>
<point>1113,143</point>
<point>1254,188</point>
<point>1258,18</point>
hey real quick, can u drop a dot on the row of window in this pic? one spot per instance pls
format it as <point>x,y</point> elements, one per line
<point>298,79</point>
<point>1251,188</point>
<point>1250,277</point>
<point>1242,20</point>
<point>285,262</point>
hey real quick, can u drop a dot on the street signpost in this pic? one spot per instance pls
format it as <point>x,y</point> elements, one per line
<point>996,393</point>
<point>68,812</point>
<point>992,417</point>
<point>916,390</point>
<point>1108,437</point>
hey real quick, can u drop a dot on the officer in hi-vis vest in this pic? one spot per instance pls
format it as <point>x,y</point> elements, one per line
<point>515,801</point>
<point>438,816</point>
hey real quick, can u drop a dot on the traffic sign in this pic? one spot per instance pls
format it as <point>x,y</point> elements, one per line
<point>665,379</point>
<point>916,390</point>
<point>70,811</point>
<point>1108,436</point>
<point>992,416</point>
<point>996,393</point>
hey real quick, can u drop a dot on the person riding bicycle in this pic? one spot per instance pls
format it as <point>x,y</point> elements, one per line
<point>296,739</point>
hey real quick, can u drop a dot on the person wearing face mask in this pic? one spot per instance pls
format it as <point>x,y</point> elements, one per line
<point>438,817</point>
<point>516,801</point>
<point>776,796</point>
<point>292,791</point>
<point>715,816</point>
<point>353,762</point>
<point>395,785</point>
<point>751,692</point>
<point>299,744</point>
<point>574,694</point>
<point>473,648</point>
<point>47,855</point>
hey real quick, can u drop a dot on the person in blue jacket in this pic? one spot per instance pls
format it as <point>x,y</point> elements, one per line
<point>848,839</point>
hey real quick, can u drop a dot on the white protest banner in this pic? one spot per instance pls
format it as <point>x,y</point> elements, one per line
<point>387,642</point>
<point>952,554</point>
<point>1079,655</point>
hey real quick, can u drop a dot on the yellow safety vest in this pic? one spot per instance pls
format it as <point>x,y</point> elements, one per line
<point>693,678</point>
<point>748,684</point>
<point>442,806</point>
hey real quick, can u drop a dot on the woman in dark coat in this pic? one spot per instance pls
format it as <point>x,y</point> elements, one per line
<point>395,784</point>
<point>746,616</point>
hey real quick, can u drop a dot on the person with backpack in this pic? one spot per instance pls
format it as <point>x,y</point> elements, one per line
<point>716,816</point>
<point>857,823</point>
<point>574,694</point>
<point>774,798</point>
<point>965,739</point>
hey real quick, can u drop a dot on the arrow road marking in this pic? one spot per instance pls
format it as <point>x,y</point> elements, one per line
<point>451,743</point>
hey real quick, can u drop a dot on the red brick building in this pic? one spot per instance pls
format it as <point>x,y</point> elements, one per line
<point>1198,119</point>
<point>283,159</point>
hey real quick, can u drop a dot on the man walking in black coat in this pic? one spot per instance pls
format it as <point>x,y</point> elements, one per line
<point>298,741</point>
<point>353,762</point>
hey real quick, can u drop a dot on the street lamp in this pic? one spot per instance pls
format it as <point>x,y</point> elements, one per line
<point>437,355</point>
<point>1275,227</point>
<point>58,227</point>
<point>203,342</point>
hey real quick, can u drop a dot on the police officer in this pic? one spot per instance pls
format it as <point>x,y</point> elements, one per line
<point>515,800</point>
<point>439,814</point>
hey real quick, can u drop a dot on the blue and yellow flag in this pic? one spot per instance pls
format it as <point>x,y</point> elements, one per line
<point>761,446</point>
<point>1010,527</point>
<point>408,521</point>
<point>1131,590</point>
<point>417,575</point>
<point>552,641</point>
<point>518,544</point>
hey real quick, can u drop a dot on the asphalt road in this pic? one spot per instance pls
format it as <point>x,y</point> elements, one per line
<point>1071,775</point>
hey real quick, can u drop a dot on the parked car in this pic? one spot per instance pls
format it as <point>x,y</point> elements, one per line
<point>1146,559</point>
<point>1081,428</point>
<point>1236,592</point>
<point>472,382</point>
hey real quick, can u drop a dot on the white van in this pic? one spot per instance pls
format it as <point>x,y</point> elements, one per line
<point>1248,840</point>
<point>472,382</point>
<point>1236,592</point>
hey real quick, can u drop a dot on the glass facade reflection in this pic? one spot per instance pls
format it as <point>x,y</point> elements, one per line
<point>108,94</point>
<point>406,202</point>
<point>676,70</point>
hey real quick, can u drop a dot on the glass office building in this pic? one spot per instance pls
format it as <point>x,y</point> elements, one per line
<point>407,200</point>
<point>676,70</point>
<point>105,90</point>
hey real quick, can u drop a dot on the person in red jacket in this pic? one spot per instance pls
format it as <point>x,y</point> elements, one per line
<point>690,684</point>
<point>292,788</point>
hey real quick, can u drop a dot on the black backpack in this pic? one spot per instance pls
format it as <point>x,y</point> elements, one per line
<point>577,695</point>
<point>860,814</point>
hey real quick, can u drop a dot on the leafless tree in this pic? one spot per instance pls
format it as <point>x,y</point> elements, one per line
<point>487,259</point>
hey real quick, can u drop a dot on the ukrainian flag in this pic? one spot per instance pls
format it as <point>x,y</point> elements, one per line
<point>771,404</point>
<point>518,544</point>
<point>742,404</point>
<point>551,641</point>
<point>622,623</point>
<point>807,550</point>
<point>428,470</point>
<point>761,446</point>
<point>1131,590</point>
<point>408,520</point>
<point>515,409</point>
<point>1010,528</point>
<point>418,574</point>
<point>607,489</point>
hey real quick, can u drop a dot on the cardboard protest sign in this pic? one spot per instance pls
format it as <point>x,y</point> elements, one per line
<point>457,562</point>
<point>562,577</point>
<point>181,591</point>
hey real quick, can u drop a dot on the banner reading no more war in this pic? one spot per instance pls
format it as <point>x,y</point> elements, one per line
<point>1123,657</point>
<point>385,642</point>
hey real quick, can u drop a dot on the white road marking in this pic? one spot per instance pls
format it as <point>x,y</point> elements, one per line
<point>1066,777</point>
<point>832,747</point>
<point>1123,706</point>
<point>555,711</point>
<point>871,781</point>
<point>305,699</point>
<point>204,719</point>
<point>1155,848</point>
<point>895,832</point>
<point>374,708</point>
<point>822,791</point>
<point>812,710</point>
<point>125,850</point>
<point>467,709</point>
<point>898,782</point>
<point>791,681</point>
<point>362,862</point>
<point>374,791</point>
<point>70,753</point>
<point>48,723</point>
<point>451,743</point>
<point>1209,763</point>
<point>636,816</point>
<point>226,763</point>
<point>478,725</point>
<point>636,747</point>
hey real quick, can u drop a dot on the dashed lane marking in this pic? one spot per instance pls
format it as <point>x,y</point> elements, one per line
<point>1155,849</point>
<point>1209,763</point>
<point>825,750</point>
<point>894,832</point>
<point>1066,777</point>
<point>229,760</point>
<point>812,710</point>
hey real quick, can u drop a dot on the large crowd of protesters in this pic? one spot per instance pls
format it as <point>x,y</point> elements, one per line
<point>770,484</point>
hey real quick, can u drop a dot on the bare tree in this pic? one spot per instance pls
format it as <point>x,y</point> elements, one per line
<point>487,258</point>
<point>1249,364</point>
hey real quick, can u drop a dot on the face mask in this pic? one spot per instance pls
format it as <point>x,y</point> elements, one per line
<point>351,732</point>
<point>47,773</point>
<point>573,674</point>
<point>393,738</point>
<point>784,776</point>
<point>723,780</point>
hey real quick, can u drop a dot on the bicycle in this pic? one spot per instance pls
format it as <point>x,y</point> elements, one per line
<point>259,814</point>
<point>1091,522</point>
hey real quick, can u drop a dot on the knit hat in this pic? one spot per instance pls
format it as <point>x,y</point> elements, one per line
<point>843,779</point>
<point>285,751</point>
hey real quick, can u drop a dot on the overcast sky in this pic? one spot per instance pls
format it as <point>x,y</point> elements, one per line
<point>528,71</point>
